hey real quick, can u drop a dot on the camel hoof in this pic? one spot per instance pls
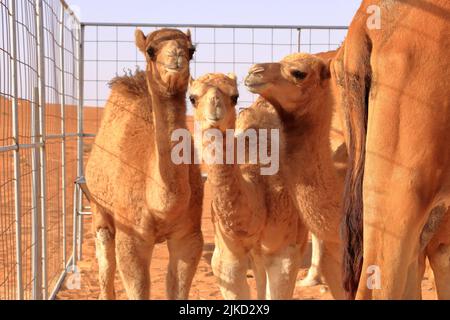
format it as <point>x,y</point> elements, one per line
<point>309,282</point>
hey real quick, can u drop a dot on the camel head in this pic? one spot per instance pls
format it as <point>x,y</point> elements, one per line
<point>168,53</point>
<point>290,84</point>
<point>214,97</point>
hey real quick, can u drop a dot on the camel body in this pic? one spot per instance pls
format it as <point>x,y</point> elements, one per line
<point>397,109</point>
<point>140,197</point>
<point>256,222</point>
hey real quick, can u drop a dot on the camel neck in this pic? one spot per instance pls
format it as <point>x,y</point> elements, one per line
<point>308,151</point>
<point>169,115</point>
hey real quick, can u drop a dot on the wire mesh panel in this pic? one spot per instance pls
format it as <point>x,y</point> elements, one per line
<point>38,127</point>
<point>110,51</point>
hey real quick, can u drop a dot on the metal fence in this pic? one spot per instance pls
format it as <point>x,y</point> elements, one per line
<point>54,72</point>
<point>39,106</point>
<point>110,51</point>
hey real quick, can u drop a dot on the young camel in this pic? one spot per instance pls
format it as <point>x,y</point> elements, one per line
<point>340,158</point>
<point>254,216</point>
<point>299,89</point>
<point>140,197</point>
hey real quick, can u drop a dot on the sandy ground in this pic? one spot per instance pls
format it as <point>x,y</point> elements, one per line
<point>204,286</point>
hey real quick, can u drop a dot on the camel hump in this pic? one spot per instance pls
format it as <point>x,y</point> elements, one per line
<point>131,84</point>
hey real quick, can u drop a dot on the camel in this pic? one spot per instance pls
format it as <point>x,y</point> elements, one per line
<point>140,197</point>
<point>299,87</point>
<point>254,216</point>
<point>397,110</point>
<point>340,158</point>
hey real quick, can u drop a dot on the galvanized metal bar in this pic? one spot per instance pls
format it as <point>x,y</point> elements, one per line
<point>42,150</point>
<point>217,26</point>
<point>75,228</point>
<point>63,134</point>
<point>35,231</point>
<point>15,133</point>
<point>79,221</point>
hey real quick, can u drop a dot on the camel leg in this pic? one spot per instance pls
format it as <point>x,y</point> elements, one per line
<point>106,257</point>
<point>105,252</point>
<point>440,263</point>
<point>314,276</point>
<point>185,254</point>
<point>282,269</point>
<point>331,268</point>
<point>230,268</point>
<point>416,271</point>
<point>133,259</point>
<point>260,275</point>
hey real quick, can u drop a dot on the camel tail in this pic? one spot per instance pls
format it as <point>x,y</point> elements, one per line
<point>357,91</point>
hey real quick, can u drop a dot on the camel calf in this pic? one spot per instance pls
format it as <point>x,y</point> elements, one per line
<point>140,197</point>
<point>254,216</point>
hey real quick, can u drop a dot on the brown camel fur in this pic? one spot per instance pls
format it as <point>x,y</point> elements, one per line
<point>299,87</point>
<point>141,197</point>
<point>340,158</point>
<point>254,216</point>
<point>397,105</point>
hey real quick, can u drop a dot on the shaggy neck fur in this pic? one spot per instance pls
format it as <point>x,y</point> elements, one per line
<point>232,194</point>
<point>315,182</point>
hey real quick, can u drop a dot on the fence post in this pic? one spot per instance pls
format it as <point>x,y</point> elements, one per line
<point>15,132</point>
<point>42,149</point>
<point>299,40</point>
<point>35,232</point>
<point>81,136</point>
<point>63,134</point>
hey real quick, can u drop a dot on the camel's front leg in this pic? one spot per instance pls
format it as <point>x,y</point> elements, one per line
<point>331,268</point>
<point>185,254</point>
<point>105,253</point>
<point>314,276</point>
<point>440,263</point>
<point>133,258</point>
<point>260,275</point>
<point>282,269</point>
<point>230,266</point>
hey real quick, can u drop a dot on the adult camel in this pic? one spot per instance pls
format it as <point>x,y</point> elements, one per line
<point>397,105</point>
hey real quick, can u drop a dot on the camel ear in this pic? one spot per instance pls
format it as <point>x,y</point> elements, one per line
<point>188,34</point>
<point>325,70</point>
<point>141,40</point>
<point>191,81</point>
<point>232,76</point>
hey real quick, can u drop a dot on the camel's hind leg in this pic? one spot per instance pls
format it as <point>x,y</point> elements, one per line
<point>331,269</point>
<point>185,254</point>
<point>133,259</point>
<point>260,275</point>
<point>105,253</point>
<point>282,269</point>
<point>314,276</point>
<point>440,263</point>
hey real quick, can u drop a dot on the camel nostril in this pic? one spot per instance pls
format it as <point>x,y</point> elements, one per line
<point>256,69</point>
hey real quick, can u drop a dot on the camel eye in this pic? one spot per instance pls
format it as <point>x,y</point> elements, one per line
<point>151,52</point>
<point>235,99</point>
<point>299,75</point>
<point>192,52</point>
<point>193,100</point>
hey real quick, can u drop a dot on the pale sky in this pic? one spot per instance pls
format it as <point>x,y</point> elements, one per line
<point>277,12</point>
<point>110,51</point>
